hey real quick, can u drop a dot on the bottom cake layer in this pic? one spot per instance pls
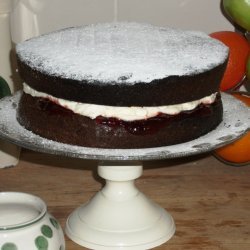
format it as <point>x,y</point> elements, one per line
<point>54,122</point>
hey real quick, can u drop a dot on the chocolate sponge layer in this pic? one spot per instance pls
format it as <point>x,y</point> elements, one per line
<point>167,91</point>
<point>54,122</point>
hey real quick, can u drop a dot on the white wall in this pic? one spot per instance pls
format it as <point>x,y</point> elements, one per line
<point>187,14</point>
<point>202,15</point>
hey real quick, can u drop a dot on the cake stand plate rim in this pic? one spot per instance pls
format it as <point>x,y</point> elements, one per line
<point>226,132</point>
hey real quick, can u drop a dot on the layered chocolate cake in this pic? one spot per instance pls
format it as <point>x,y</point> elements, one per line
<point>121,85</point>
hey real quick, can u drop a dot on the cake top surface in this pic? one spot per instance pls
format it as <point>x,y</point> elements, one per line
<point>122,53</point>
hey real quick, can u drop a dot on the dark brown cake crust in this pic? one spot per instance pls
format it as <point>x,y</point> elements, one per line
<point>167,91</point>
<point>54,122</point>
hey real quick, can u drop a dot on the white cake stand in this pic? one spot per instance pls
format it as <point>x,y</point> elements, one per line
<point>119,216</point>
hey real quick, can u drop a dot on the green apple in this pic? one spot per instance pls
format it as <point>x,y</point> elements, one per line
<point>248,68</point>
<point>4,88</point>
<point>239,11</point>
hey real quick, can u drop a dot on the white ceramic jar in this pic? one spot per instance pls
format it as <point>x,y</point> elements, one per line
<point>25,224</point>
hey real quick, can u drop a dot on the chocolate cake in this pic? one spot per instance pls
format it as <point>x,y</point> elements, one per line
<point>121,85</point>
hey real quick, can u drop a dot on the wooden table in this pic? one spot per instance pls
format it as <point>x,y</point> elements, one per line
<point>210,201</point>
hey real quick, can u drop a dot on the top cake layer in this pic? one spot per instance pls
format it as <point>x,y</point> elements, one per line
<point>122,53</point>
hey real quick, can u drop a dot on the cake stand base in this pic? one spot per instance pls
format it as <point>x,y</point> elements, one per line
<point>120,216</point>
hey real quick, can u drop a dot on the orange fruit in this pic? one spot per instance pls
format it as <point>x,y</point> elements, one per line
<point>238,54</point>
<point>248,68</point>
<point>238,152</point>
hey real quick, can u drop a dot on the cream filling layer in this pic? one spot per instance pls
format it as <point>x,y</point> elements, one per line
<point>124,113</point>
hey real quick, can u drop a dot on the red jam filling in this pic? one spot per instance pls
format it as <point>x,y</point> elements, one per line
<point>153,124</point>
<point>52,107</point>
<point>139,127</point>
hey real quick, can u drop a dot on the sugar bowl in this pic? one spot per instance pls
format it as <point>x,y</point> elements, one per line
<point>25,224</point>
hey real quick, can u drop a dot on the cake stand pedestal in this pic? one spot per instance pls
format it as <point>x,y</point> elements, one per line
<point>120,216</point>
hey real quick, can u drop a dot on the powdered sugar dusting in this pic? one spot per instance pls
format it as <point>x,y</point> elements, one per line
<point>122,53</point>
<point>235,123</point>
